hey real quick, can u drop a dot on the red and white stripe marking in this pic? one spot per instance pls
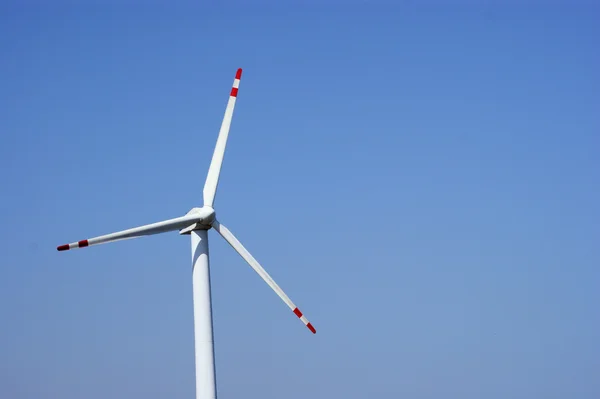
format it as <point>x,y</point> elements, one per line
<point>78,244</point>
<point>236,83</point>
<point>298,313</point>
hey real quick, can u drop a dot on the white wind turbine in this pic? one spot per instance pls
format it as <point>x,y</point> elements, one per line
<point>196,223</point>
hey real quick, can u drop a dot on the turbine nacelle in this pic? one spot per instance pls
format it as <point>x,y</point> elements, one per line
<point>205,215</point>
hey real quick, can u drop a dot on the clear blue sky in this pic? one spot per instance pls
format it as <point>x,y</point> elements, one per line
<point>423,182</point>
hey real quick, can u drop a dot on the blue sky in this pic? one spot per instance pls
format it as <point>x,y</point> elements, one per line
<point>422,182</point>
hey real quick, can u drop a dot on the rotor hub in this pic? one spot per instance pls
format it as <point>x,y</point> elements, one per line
<point>206,216</point>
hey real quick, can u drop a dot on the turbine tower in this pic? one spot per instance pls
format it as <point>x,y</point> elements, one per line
<point>196,223</point>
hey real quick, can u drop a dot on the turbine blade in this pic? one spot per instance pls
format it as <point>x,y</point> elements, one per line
<point>149,229</point>
<point>212,179</point>
<point>230,238</point>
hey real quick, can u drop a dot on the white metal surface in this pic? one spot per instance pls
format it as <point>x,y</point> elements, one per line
<point>212,179</point>
<point>230,238</point>
<point>203,330</point>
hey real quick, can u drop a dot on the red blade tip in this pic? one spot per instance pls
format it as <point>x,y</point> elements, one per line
<point>238,74</point>
<point>311,328</point>
<point>63,247</point>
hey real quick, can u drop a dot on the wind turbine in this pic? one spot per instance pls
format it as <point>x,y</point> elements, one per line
<point>196,223</point>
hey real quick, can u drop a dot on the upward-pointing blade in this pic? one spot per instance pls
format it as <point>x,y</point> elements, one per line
<point>230,238</point>
<point>212,179</point>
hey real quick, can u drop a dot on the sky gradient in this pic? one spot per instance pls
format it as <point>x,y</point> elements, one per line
<point>421,181</point>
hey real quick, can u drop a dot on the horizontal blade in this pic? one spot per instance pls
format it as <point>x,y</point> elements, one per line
<point>230,238</point>
<point>149,229</point>
<point>212,179</point>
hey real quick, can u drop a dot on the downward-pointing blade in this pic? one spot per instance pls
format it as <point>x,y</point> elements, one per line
<point>230,238</point>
